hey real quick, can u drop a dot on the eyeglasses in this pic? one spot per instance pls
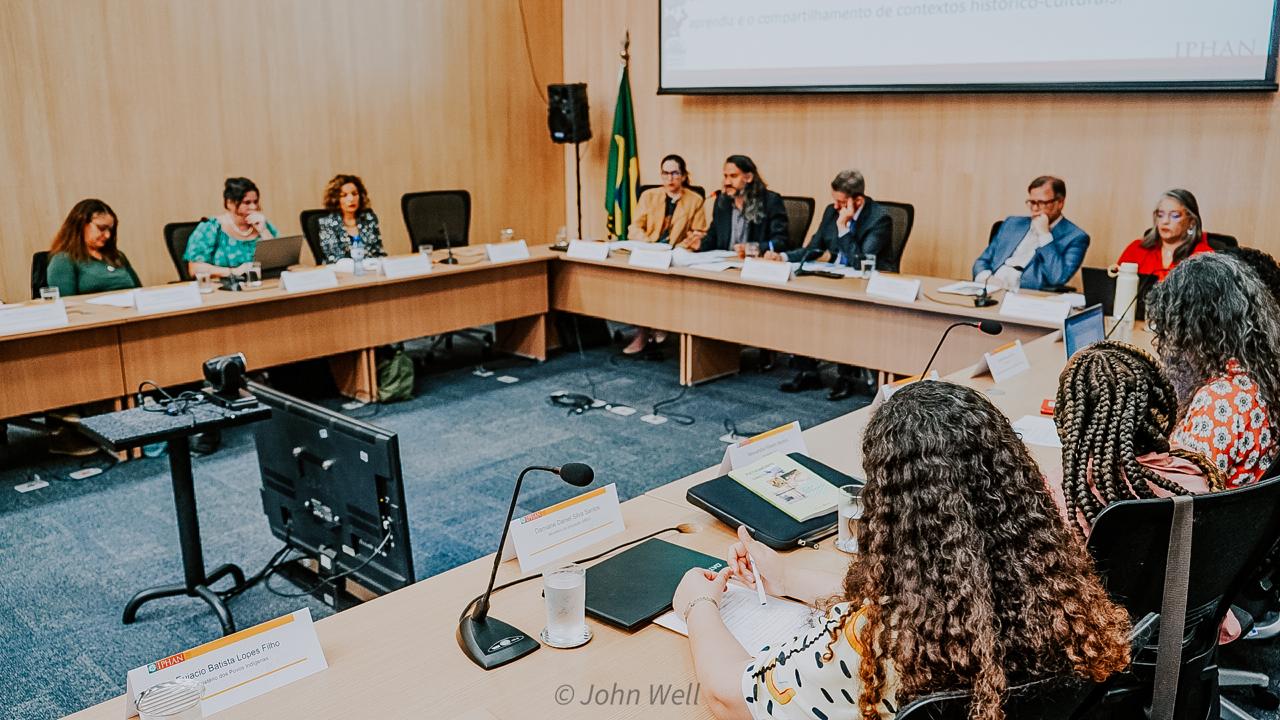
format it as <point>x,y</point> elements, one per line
<point>1037,204</point>
<point>104,228</point>
<point>1173,216</point>
<point>671,173</point>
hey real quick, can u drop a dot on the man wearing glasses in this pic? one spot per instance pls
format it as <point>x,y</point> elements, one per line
<point>1038,252</point>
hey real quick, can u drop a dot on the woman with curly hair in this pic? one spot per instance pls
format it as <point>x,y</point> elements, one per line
<point>1217,331</point>
<point>967,579</point>
<point>350,220</point>
<point>1115,412</point>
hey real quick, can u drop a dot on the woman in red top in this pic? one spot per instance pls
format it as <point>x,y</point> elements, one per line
<point>1177,235</point>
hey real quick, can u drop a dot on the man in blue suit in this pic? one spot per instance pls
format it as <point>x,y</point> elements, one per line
<point>1038,252</point>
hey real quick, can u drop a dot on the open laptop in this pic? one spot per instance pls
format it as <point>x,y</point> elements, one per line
<point>1084,329</point>
<point>278,254</point>
<point>1100,289</point>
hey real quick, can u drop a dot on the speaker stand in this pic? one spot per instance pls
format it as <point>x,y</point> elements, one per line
<point>577,181</point>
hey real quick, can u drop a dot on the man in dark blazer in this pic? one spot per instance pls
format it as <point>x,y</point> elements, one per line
<point>1037,252</point>
<point>746,211</point>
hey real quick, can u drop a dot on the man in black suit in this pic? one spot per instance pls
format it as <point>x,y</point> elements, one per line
<point>853,226</point>
<point>746,211</point>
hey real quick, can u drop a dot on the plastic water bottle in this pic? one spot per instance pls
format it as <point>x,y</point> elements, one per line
<point>357,255</point>
<point>1125,301</point>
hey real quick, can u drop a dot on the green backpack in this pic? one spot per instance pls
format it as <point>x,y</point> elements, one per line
<point>395,374</point>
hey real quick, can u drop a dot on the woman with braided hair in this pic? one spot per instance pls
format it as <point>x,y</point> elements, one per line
<point>967,579</point>
<point>1114,413</point>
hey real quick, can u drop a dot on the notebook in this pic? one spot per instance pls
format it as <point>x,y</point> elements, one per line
<point>636,585</point>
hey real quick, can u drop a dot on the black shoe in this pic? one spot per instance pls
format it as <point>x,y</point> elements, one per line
<point>206,443</point>
<point>842,390</point>
<point>768,361</point>
<point>804,380</point>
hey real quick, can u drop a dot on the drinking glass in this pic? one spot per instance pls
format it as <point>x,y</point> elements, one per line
<point>752,250</point>
<point>506,235</point>
<point>50,294</point>
<point>565,590</point>
<point>562,236</point>
<point>255,274</point>
<point>849,512</point>
<point>425,249</point>
<point>204,281</point>
<point>868,265</point>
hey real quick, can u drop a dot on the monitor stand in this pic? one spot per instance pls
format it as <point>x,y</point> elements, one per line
<point>335,595</point>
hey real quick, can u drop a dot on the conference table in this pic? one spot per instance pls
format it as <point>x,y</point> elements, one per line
<point>396,656</point>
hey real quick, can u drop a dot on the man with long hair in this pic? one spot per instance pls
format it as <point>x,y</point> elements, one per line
<point>746,211</point>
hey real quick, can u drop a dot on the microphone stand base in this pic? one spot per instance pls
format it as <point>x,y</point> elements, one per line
<point>491,643</point>
<point>984,302</point>
<point>451,260</point>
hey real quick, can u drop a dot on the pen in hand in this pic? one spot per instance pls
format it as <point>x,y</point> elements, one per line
<point>759,580</point>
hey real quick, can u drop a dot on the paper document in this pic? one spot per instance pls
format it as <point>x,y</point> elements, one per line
<point>966,287</point>
<point>1036,430</point>
<point>788,486</point>
<point>753,624</point>
<point>682,257</point>
<point>713,266</point>
<point>120,299</point>
<point>633,245</point>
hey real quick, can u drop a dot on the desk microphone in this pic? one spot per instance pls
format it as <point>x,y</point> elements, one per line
<point>490,642</point>
<point>990,327</point>
<point>450,260</point>
<point>985,300</point>
<point>808,255</point>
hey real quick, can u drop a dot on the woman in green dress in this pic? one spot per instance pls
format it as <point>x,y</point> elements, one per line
<point>84,257</point>
<point>225,244</point>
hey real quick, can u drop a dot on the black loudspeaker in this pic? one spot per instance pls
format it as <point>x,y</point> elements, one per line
<point>567,116</point>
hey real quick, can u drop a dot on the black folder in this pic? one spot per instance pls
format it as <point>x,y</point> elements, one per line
<point>735,505</point>
<point>635,586</point>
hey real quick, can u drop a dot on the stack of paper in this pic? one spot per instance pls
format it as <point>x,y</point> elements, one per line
<point>684,258</point>
<point>753,624</point>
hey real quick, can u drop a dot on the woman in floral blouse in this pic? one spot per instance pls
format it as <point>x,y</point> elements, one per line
<point>1217,330</point>
<point>350,220</point>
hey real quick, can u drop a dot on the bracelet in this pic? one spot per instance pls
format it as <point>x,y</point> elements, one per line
<point>701,598</point>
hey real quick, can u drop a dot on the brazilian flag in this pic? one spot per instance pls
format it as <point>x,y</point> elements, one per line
<point>624,163</point>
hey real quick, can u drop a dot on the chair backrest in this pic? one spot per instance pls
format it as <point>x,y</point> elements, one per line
<point>39,272</point>
<point>428,214</point>
<point>903,216</point>
<point>175,240</point>
<point>1051,699</point>
<point>1232,533</point>
<point>799,216</point>
<point>310,222</point>
<point>1220,242</point>
<point>696,188</point>
<point>995,230</point>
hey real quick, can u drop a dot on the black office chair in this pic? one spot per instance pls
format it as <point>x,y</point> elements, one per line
<point>310,222</point>
<point>995,230</point>
<point>1233,532</point>
<point>696,188</point>
<point>175,240</point>
<point>903,216</point>
<point>39,272</point>
<point>1220,242</point>
<point>427,215</point>
<point>799,216</point>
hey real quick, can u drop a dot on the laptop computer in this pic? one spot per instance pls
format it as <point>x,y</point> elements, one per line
<point>278,254</point>
<point>1100,289</point>
<point>1084,329</point>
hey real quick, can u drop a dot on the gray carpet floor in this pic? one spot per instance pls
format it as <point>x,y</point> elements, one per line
<point>72,553</point>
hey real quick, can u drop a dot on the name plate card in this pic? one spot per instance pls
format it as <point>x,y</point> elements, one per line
<point>652,259</point>
<point>304,280</point>
<point>892,288</point>
<point>239,666</point>
<point>783,439</point>
<point>588,250</point>
<point>888,389</point>
<point>543,537</point>
<point>1007,361</point>
<point>406,266</point>
<point>31,317</point>
<point>1033,308</point>
<point>769,271</point>
<point>166,298</point>
<point>506,252</point>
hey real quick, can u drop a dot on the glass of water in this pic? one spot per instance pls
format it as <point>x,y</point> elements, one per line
<point>751,250</point>
<point>50,294</point>
<point>849,513</point>
<point>868,265</point>
<point>562,236</point>
<point>564,588</point>
<point>425,249</point>
<point>255,274</point>
<point>204,281</point>
<point>506,235</point>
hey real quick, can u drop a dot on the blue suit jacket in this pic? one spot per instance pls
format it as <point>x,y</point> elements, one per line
<point>1052,265</point>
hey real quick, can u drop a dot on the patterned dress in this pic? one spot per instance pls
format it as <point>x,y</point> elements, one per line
<point>209,243</point>
<point>1228,423</point>
<point>792,680</point>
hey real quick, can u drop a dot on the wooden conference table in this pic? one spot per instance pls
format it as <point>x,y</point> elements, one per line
<point>105,351</point>
<point>396,656</point>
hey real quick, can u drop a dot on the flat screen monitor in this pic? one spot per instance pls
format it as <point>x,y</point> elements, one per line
<point>1084,329</point>
<point>332,489</point>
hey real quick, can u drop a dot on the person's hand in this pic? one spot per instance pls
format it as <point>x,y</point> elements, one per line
<point>696,583</point>
<point>846,214</point>
<point>768,561</point>
<point>1040,222</point>
<point>257,220</point>
<point>243,268</point>
<point>771,255</point>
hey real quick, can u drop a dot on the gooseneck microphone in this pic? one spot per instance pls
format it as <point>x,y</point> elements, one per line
<point>450,260</point>
<point>490,642</point>
<point>985,300</point>
<point>990,327</point>
<point>808,255</point>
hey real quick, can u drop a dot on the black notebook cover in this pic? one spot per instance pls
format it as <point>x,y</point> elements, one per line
<point>735,505</point>
<point>635,586</point>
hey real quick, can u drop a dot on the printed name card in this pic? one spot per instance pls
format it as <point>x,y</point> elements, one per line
<point>406,265</point>
<point>31,317</point>
<point>543,537</point>
<point>770,271</point>
<point>893,288</point>
<point>1048,309</point>
<point>166,298</point>
<point>888,389</point>
<point>588,250</point>
<point>304,280</point>
<point>239,666</point>
<point>1007,361</point>
<point>506,252</point>
<point>653,259</point>
<point>782,439</point>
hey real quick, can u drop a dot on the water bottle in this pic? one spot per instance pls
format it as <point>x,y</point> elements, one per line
<point>357,255</point>
<point>1125,301</point>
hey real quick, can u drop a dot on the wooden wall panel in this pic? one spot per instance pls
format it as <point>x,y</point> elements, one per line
<point>150,104</point>
<point>963,160</point>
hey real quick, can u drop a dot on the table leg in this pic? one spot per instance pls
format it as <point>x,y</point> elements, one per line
<point>526,337</point>
<point>703,359</point>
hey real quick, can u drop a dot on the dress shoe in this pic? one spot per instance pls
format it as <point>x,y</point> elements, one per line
<point>206,443</point>
<point>842,390</point>
<point>802,381</point>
